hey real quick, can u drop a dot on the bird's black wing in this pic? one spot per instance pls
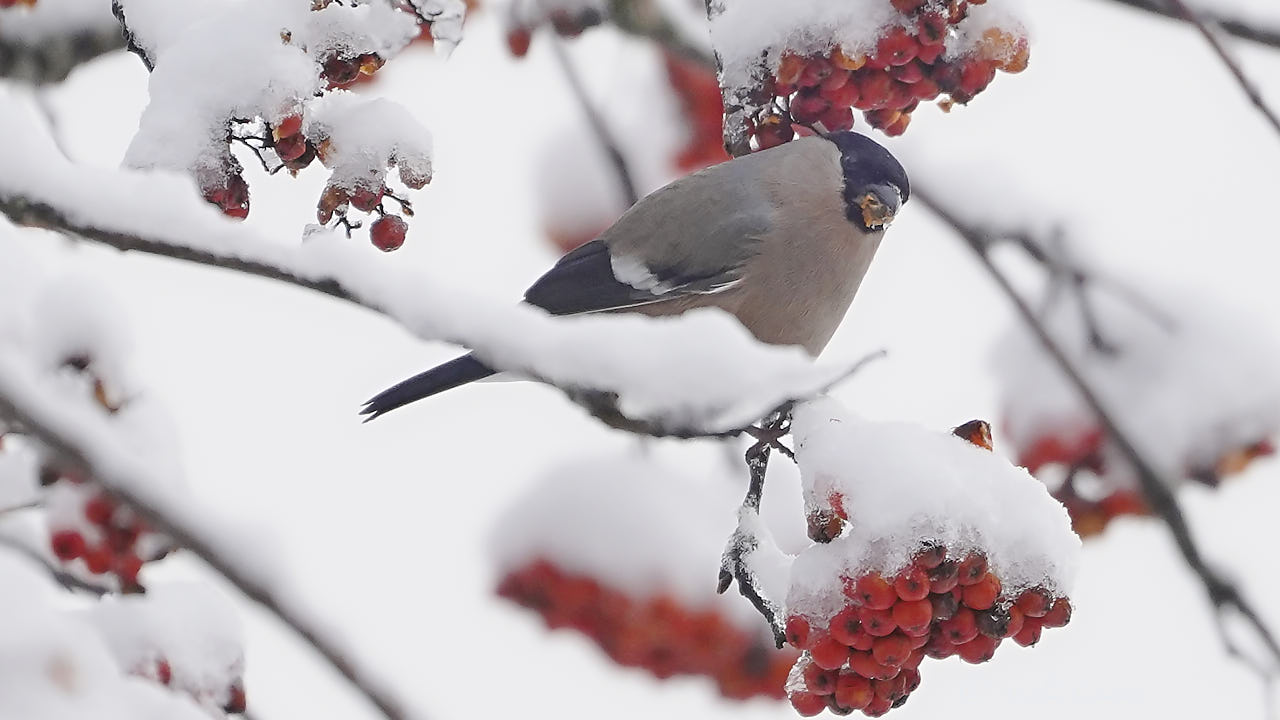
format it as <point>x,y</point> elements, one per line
<point>692,236</point>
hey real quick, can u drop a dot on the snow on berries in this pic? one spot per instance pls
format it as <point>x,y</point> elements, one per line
<point>230,88</point>
<point>185,637</point>
<point>583,551</point>
<point>812,63</point>
<point>1191,380</point>
<point>938,547</point>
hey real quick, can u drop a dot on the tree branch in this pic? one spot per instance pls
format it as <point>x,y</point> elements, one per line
<point>130,40</point>
<point>607,141</point>
<point>1237,27</point>
<point>80,453</point>
<point>1245,83</point>
<point>52,58</point>
<point>1223,594</point>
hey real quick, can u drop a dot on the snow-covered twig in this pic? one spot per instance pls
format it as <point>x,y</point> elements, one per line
<point>1211,36</point>
<point>1225,596</point>
<point>1237,27</point>
<point>603,135</point>
<point>82,441</point>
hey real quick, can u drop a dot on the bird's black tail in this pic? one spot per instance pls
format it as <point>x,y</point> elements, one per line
<point>458,371</point>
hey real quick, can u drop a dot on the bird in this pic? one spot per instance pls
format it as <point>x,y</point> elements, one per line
<point>780,239</point>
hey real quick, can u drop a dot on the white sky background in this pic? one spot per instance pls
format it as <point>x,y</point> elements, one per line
<point>1127,123</point>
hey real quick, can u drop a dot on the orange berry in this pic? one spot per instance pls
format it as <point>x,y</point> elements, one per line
<point>874,592</point>
<point>853,690</point>
<point>913,616</point>
<point>1059,614</point>
<point>1034,602</point>
<point>982,594</point>
<point>797,631</point>
<point>808,704</point>
<point>978,650</point>
<point>877,623</point>
<point>973,568</point>
<point>819,680</point>
<point>1029,634</point>
<point>892,650</point>
<point>829,654</point>
<point>961,628</point>
<point>912,583</point>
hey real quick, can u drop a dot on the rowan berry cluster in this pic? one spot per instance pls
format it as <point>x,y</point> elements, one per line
<point>658,634</point>
<point>15,3</point>
<point>909,64</point>
<point>90,531</point>
<point>1106,495</point>
<point>698,90</point>
<point>867,656</point>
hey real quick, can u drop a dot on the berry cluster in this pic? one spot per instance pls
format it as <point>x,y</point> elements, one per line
<point>699,92</point>
<point>388,232</point>
<point>15,3</point>
<point>1105,496</point>
<point>867,656</point>
<point>88,526</point>
<point>657,634</point>
<point>908,65</point>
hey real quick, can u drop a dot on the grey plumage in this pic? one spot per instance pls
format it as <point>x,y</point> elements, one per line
<point>779,239</point>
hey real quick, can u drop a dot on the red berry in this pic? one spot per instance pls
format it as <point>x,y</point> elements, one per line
<point>1034,602</point>
<point>909,74</point>
<point>939,646</point>
<point>982,594</point>
<point>912,583</point>
<point>892,650</point>
<point>829,654</point>
<point>836,708</point>
<point>913,616</point>
<point>978,650</point>
<point>127,567</point>
<point>892,689</point>
<point>853,690</point>
<point>387,232</point>
<point>874,90</point>
<point>798,634</point>
<point>993,622</point>
<point>1029,634</point>
<point>819,680</point>
<point>291,148</point>
<point>815,71</point>
<point>366,199</point>
<point>98,560</point>
<point>973,568</point>
<point>976,75</point>
<point>842,97</point>
<point>1059,614</point>
<point>877,623</point>
<point>925,90</point>
<point>907,7</point>
<point>945,577</point>
<point>1016,621</point>
<point>67,545</point>
<point>164,673</point>
<point>518,40</point>
<point>99,510</point>
<point>808,106</point>
<point>877,707</point>
<point>837,119</point>
<point>930,556</point>
<point>944,606</point>
<point>287,126</point>
<point>341,71</point>
<point>961,628</point>
<point>929,54</point>
<point>897,47</point>
<point>931,29</point>
<point>808,704</point>
<point>874,592</point>
<point>866,665</point>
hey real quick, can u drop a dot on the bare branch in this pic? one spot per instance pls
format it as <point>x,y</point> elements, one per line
<point>606,139</point>
<point>1245,83</point>
<point>1224,595</point>
<point>76,452</point>
<point>1238,27</point>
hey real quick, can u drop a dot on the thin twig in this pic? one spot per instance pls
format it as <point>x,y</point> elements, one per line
<point>130,40</point>
<point>70,453</point>
<point>1223,594</point>
<point>1245,83</point>
<point>606,139</point>
<point>1243,29</point>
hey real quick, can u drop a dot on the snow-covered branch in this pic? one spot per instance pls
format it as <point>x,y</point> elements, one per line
<point>711,376</point>
<point>43,44</point>
<point>1225,596</point>
<point>83,441</point>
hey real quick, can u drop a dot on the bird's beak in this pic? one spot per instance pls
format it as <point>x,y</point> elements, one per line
<point>879,204</point>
